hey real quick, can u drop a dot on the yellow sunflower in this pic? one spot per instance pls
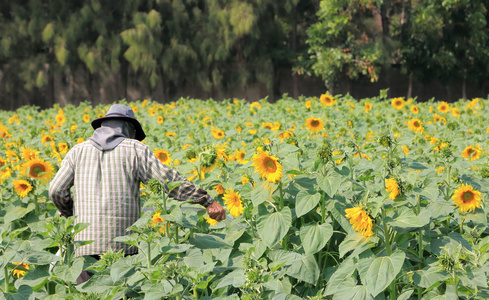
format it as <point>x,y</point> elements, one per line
<point>327,100</point>
<point>398,103</point>
<point>86,118</point>
<point>455,112</point>
<point>255,106</point>
<point>232,200</point>
<point>285,134</point>
<point>46,139</point>
<point>29,153</point>
<point>217,133</point>
<point>360,220</point>
<point>22,187</point>
<point>392,187</point>
<point>267,166</point>
<point>240,156</point>
<point>405,149</point>
<point>219,189</point>
<point>466,198</point>
<point>171,134</point>
<point>308,104</point>
<point>63,148</point>
<point>443,107</point>
<point>38,169</point>
<point>472,152</point>
<point>416,125</point>
<point>159,119</point>
<point>157,219</point>
<point>163,156</point>
<point>17,272</point>
<point>210,221</point>
<point>314,124</point>
<point>414,109</point>
<point>367,107</point>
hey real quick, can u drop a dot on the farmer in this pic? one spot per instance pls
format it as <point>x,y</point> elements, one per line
<point>106,172</point>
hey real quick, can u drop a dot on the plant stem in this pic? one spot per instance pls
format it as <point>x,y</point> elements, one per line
<point>148,257</point>
<point>6,280</point>
<point>323,206</point>
<point>281,203</point>
<point>461,225</point>
<point>177,240</point>
<point>388,249</point>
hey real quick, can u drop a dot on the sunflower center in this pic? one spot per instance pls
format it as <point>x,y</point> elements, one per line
<point>36,169</point>
<point>163,156</point>
<point>416,124</point>
<point>467,197</point>
<point>314,123</point>
<point>270,165</point>
<point>24,187</point>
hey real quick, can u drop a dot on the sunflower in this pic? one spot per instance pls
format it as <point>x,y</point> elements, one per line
<point>284,135</point>
<point>398,103</point>
<point>267,125</point>
<point>308,104</point>
<point>217,133</point>
<point>416,125</point>
<point>232,200</point>
<point>60,118</point>
<point>405,149</point>
<point>267,166</point>
<point>22,187</point>
<point>392,187</point>
<point>414,109</point>
<point>163,156</point>
<point>472,152</point>
<point>170,134</point>
<point>17,272</point>
<point>11,156</point>
<point>360,220</point>
<point>159,119</point>
<point>63,148</point>
<point>38,169</point>
<point>443,107</point>
<point>46,139</point>
<point>314,124</point>
<point>156,219</point>
<point>80,140</point>
<point>327,100</point>
<point>210,221</point>
<point>367,107</point>
<point>219,189</point>
<point>28,153</point>
<point>455,112</point>
<point>86,118</point>
<point>240,156</point>
<point>255,106</point>
<point>466,198</point>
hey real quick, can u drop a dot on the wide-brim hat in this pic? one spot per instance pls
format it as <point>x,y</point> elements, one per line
<point>122,112</point>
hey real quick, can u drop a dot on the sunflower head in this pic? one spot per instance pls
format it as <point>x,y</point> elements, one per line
<point>398,103</point>
<point>20,271</point>
<point>466,198</point>
<point>472,152</point>
<point>267,166</point>
<point>163,156</point>
<point>314,124</point>
<point>360,220</point>
<point>38,169</point>
<point>23,187</point>
<point>233,202</point>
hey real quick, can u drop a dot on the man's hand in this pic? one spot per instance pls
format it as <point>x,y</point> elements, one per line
<point>216,211</point>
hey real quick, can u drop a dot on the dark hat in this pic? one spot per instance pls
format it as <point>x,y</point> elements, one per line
<point>122,112</point>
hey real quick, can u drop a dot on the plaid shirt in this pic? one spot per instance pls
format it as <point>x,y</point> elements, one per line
<point>106,191</point>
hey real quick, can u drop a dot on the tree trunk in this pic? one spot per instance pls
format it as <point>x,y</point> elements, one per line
<point>295,79</point>
<point>410,86</point>
<point>464,89</point>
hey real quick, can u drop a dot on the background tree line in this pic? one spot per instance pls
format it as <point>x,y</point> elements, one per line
<point>214,45</point>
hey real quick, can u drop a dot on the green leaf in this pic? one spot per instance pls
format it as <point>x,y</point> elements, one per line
<point>358,292</point>
<point>305,202</point>
<point>376,274</point>
<point>314,236</point>
<point>331,182</point>
<point>34,278</point>
<point>305,269</point>
<point>262,192</point>
<point>235,278</point>
<point>357,242</point>
<point>208,241</point>
<point>124,267</point>
<point>67,273</point>
<point>407,220</point>
<point>16,212</point>
<point>273,227</point>
<point>23,293</point>
<point>340,276</point>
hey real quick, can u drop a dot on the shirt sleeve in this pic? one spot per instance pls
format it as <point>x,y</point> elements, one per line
<point>150,167</point>
<point>59,188</point>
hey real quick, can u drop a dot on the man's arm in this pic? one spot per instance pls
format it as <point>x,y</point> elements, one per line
<point>59,188</point>
<point>151,167</point>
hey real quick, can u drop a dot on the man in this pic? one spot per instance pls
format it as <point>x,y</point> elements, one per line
<point>106,172</point>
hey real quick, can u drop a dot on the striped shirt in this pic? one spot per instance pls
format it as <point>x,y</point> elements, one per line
<point>106,191</point>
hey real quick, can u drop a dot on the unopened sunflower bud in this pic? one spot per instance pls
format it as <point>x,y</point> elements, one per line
<point>446,152</point>
<point>155,186</point>
<point>325,153</point>
<point>385,140</point>
<point>484,171</point>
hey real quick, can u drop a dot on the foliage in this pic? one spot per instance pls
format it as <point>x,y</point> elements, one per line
<point>366,205</point>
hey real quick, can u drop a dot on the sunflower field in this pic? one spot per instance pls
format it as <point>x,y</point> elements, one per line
<point>327,197</point>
